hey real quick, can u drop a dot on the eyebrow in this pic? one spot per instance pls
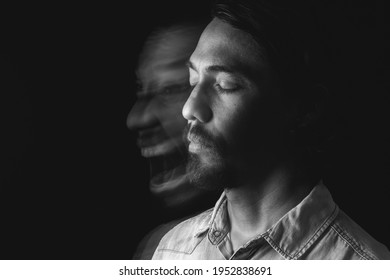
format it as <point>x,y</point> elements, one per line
<point>213,68</point>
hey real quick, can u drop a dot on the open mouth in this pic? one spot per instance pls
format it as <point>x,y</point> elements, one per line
<point>159,149</point>
<point>166,170</point>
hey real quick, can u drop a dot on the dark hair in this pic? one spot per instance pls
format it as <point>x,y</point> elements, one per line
<point>283,30</point>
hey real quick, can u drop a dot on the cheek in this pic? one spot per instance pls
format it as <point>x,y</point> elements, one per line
<point>232,116</point>
<point>171,109</point>
<point>171,118</point>
<point>247,122</point>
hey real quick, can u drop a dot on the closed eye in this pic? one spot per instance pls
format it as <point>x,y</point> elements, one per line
<point>224,89</point>
<point>227,83</point>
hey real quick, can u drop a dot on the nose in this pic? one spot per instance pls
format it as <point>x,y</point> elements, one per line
<point>142,115</point>
<point>197,107</point>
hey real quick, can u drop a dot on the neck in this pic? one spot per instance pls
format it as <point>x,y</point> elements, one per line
<point>255,206</point>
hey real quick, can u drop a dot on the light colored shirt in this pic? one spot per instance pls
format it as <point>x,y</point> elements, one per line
<point>315,229</point>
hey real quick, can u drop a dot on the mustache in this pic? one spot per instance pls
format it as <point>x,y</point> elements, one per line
<point>201,136</point>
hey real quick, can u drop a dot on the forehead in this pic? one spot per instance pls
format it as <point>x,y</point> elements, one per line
<point>222,44</point>
<point>164,56</point>
<point>160,72</point>
<point>161,59</point>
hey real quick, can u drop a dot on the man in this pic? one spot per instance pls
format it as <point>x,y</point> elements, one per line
<point>156,116</point>
<point>250,118</point>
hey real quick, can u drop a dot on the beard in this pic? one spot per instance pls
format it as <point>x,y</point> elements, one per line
<point>209,170</point>
<point>211,177</point>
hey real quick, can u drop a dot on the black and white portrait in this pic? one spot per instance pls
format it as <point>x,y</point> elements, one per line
<point>195,130</point>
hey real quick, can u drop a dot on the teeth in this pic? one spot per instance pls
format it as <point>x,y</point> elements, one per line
<point>159,149</point>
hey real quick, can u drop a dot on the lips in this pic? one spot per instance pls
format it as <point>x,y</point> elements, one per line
<point>196,142</point>
<point>193,138</point>
<point>194,148</point>
<point>154,142</point>
<point>150,140</point>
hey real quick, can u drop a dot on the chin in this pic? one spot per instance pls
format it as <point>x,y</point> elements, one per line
<point>211,175</point>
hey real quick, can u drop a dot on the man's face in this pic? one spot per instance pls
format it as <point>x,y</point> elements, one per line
<point>234,111</point>
<point>163,89</point>
<point>156,115</point>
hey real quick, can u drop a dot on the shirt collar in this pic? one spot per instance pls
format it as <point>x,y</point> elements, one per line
<point>218,222</point>
<point>296,231</point>
<point>293,234</point>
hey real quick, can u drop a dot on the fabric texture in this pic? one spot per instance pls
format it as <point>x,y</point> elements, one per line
<point>315,229</point>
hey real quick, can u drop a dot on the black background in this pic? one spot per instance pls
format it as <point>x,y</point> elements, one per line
<point>73,185</point>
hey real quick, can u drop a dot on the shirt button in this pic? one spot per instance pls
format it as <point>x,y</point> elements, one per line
<point>217,233</point>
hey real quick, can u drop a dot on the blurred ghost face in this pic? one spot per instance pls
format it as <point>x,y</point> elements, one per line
<point>163,88</point>
<point>234,112</point>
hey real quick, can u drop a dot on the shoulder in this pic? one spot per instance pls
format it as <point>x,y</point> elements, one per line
<point>149,243</point>
<point>185,236</point>
<point>356,238</point>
